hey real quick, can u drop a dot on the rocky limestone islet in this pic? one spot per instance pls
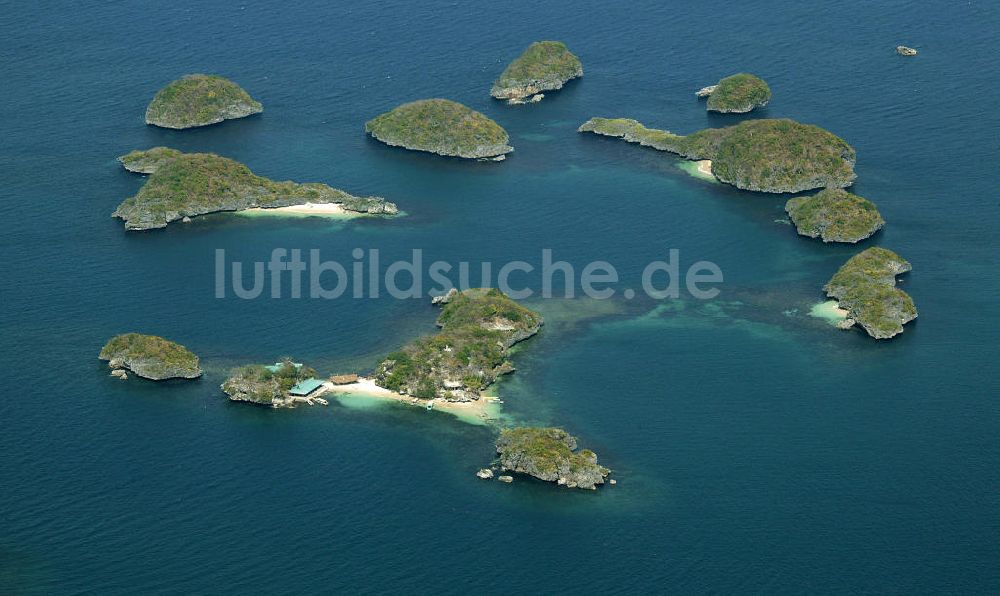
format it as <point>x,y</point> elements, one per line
<point>543,66</point>
<point>149,356</point>
<point>865,286</point>
<point>184,185</point>
<point>549,454</point>
<point>200,100</point>
<point>766,155</point>
<point>443,127</point>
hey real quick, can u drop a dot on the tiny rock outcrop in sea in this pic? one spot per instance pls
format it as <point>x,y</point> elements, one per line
<point>200,100</point>
<point>736,94</point>
<point>478,328</point>
<point>183,185</point>
<point>150,357</point>
<point>865,286</point>
<point>544,66</point>
<point>767,155</point>
<point>905,51</point>
<point>834,215</point>
<point>549,454</point>
<point>443,127</point>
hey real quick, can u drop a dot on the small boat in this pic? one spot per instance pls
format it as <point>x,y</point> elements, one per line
<point>430,405</point>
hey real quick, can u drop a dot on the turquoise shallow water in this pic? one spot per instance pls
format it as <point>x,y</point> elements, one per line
<point>757,449</point>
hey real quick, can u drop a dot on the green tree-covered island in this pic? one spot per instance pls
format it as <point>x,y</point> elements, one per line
<point>737,94</point>
<point>478,328</point>
<point>200,100</point>
<point>865,286</point>
<point>443,127</point>
<point>183,185</point>
<point>834,215</point>
<point>543,66</point>
<point>267,385</point>
<point>768,155</point>
<point>549,454</point>
<point>150,357</point>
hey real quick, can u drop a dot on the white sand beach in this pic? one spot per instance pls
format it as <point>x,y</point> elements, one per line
<point>699,169</point>
<point>306,209</point>
<point>474,412</point>
<point>829,311</point>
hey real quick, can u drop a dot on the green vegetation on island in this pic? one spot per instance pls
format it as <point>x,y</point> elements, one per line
<point>549,454</point>
<point>738,94</point>
<point>834,215</point>
<point>865,286</point>
<point>146,162</point>
<point>544,66</point>
<point>443,127</point>
<point>150,357</point>
<point>478,327</point>
<point>769,155</point>
<point>200,100</point>
<point>190,184</point>
<point>266,385</point>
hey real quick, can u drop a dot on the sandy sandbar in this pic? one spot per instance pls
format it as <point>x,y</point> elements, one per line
<point>480,411</point>
<point>829,311</point>
<point>306,209</point>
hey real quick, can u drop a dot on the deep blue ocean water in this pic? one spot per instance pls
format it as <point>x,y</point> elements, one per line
<point>756,449</point>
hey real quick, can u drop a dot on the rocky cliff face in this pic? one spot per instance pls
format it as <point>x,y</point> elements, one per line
<point>442,127</point>
<point>544,66</point>
<point>185,185</point>
<point>549,454</point>
<point>200,100</point>
<point>478,327</point>
<point>766,155</point>
<point>737,94</point>
<point>865,286</point>
<point>834,215</point>
<point>150,357</point>
<point>265,392</point>
<point>146,162</point>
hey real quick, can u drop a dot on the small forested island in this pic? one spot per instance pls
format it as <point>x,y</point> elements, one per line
<point>280,385</point>
<point>200,100</point>
<point>549,454</point>
<point>737,94</point>
<point>865,286</point>
<point>834,215</point>
<point>544,66</point>
<point>150,357</point>
<point>443,127</point>
<point>767,155</point>
<point>183,185</point>
<point>478,327</point>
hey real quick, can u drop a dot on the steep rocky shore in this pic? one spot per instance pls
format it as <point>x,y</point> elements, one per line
<point>443,127</point>
<point>865,286</point>
<point>200,100</point>
<point>150,357</point>
<point>834,215</point>
<point>549,454</point>
<point>478,327</point>
<point>736,94</point>
<point>767,155</point>
<point>544,66</point>
<point>267,385</point>
<point>184,185</point>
